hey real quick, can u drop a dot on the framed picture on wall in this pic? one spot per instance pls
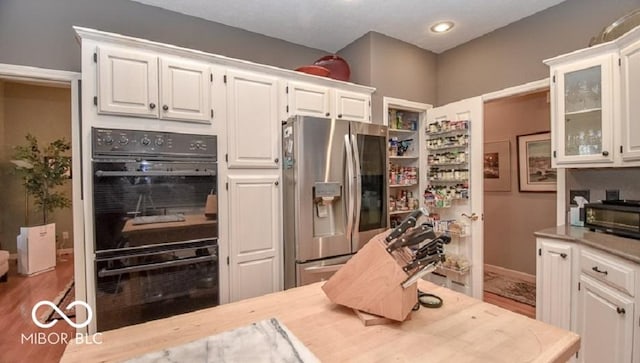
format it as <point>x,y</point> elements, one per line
<point>497,166</point>
<point>535,173</point>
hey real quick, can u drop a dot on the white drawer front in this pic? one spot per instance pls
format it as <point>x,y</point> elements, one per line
<point>613,272</point>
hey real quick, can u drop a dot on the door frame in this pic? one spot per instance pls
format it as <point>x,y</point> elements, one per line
<point>71,80</point>
<point>520,90</point>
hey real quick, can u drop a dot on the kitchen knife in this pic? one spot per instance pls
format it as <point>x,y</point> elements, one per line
<point>424,250</point>
<point>435,258</point>
<point>407,223</point>
<point>418,235</point>
<point>418,274</point>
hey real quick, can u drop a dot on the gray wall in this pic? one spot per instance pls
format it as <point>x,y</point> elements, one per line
<point>513,55</point>
<point>510,218</point>
<point>394,68</point>
<point>598,180</point>
<point>358,55</point>
<point>38,33</point>
<point>45,113</point>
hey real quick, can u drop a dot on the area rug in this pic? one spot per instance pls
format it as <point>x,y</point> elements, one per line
<point>511,288</point>
<point>64,298</point>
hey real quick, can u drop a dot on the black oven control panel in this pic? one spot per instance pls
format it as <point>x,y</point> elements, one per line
<point>155,144</point>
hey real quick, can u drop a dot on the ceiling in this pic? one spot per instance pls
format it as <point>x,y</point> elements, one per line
<point>330,25</point>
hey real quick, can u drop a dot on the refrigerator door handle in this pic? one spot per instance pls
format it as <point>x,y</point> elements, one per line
<point>350,186</point>
<point>358,182</point>
<point>326,268</point>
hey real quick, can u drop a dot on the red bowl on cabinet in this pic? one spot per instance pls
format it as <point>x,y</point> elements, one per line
<point>315,70</point>
<point>338,67</point>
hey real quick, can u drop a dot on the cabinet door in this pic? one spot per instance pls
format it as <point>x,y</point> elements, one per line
<point>307,100</point>
<point>127,82</point>
<point>254,236</point>
<point>553,304</point>
<point>583,117</point>
<point>352,106</point>
<point>185,88</point>
<point>605,323</point>
<point>630,130</point>
<point>252,120</point>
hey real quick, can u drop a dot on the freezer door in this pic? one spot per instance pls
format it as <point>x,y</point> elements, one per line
<point>370,154</point>
<point>310,272</point>
<point>321,188</point>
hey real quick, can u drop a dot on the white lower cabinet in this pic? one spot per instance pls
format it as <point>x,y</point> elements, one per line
<point>553,303</point>
<point>604,323</point>
<point>592,293</point>
<point>254,232</point>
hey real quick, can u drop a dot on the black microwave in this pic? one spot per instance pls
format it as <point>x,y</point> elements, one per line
<point>620,217</point>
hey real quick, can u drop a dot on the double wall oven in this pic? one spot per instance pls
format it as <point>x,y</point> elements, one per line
<point>155,223</point>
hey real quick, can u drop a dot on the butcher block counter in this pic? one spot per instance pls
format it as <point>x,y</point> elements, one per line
<point>462,330</point>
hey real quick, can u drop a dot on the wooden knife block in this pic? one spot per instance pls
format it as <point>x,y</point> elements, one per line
<point>371,281</point>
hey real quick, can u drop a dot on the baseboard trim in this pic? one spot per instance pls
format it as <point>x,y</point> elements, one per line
<point>60,252</point>
<point>510,273</point>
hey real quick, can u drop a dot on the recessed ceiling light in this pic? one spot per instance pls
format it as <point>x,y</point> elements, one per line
<point>442,27</point>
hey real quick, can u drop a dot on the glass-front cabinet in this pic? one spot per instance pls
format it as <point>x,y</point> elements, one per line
<point>582,117</point>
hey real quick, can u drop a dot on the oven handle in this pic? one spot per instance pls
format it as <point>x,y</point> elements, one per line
<point>101,173</point>
<point>155,266</point>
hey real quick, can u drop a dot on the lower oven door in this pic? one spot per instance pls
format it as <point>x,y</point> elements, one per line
<point>139,284</point>
<point>321,270</point>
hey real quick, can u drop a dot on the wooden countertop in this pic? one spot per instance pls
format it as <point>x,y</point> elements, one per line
<point>463,329</point>
<point>626,248</point>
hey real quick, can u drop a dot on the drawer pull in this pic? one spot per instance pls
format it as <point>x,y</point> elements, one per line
<point>596,269</point>
<point>563,255</point>
<point>620,311</point>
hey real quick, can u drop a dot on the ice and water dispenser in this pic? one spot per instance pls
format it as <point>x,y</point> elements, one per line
<point>328,209</point>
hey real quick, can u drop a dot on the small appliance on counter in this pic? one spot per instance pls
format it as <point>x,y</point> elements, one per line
<point>619,217</point>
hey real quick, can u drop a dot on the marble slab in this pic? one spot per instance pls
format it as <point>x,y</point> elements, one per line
<point>264,341</point>
<point>626,248</point>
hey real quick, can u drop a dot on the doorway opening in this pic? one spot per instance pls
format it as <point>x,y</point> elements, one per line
<point>512,213</point>
<point>38,102</point>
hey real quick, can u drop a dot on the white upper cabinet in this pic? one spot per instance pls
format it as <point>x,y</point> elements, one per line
<point>352,106</point>
<point>131,84</point>
<point>583,115</point>
<point>127,82</point>
<point>594,108</point>
<point>304,99</point>
<point>630,81</point>
<point>185,89</point>
<point>252,120</point>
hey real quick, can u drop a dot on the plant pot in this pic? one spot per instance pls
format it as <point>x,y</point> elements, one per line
<point>36,249</point>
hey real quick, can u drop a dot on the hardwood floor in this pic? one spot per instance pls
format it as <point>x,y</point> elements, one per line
<point>17,298</point>
<point>505,303</point>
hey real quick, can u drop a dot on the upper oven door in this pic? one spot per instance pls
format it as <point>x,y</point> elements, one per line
<point>152,202</point>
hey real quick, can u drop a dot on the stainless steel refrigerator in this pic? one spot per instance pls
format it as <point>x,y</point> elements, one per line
<point>335,193</point>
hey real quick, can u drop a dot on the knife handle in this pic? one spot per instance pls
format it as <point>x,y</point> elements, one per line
<point>407,223</point>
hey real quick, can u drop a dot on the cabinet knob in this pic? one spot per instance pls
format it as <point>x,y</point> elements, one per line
<point>563,255</point>
<point>339,115</point>
<point>165,107</point>
<point>605,153</point>
<point>152,105</point>
<point>596,269</point>
<point>276,183</point>
<point>276,160</point>
<point>327,114</point>
<point>620,311</point>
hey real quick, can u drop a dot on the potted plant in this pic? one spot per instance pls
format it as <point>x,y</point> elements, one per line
<point>43,169</point>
